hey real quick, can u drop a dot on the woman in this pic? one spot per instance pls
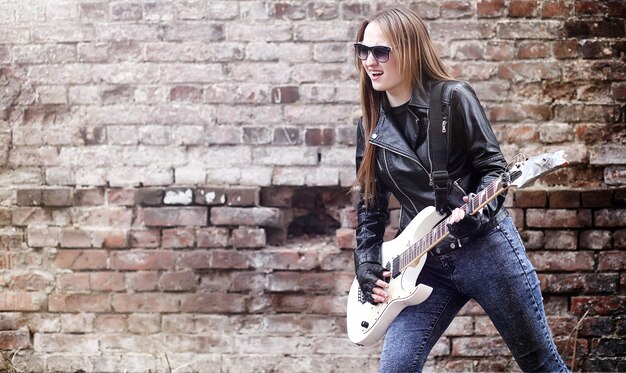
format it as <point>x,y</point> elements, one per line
<point>484,258</point>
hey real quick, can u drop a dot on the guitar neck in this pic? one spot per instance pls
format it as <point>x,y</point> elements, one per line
<point>440,231</point>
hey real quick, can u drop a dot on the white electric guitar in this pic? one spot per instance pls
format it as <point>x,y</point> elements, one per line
<point>405,256</point>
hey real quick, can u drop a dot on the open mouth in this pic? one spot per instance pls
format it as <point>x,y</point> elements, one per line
<point>376,74</point>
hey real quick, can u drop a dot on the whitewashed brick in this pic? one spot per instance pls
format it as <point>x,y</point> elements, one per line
<point>322,176</point>
<point>55,94</point>
<point>84,95</point>
<point>189,175</point>
<point>257,176</point>
<point>289,176</point>
<point>223,176</point>
<point>260,72</point>
<point>281,156</point>
<point>258,32</point>
<point>191,73</point>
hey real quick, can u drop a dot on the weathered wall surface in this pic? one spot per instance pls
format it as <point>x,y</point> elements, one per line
<point>174,177</point>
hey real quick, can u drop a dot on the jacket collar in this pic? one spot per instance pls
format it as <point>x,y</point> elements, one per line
<point>421,94</point>
<point>387,133</point>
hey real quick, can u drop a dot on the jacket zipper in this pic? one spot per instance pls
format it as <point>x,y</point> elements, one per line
<point>430,178</point>
<point>394,181</point>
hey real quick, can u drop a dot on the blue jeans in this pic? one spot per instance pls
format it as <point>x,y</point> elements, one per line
<point>493,270</point>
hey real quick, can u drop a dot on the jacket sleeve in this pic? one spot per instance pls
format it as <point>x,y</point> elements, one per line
<point>371,220</point>
<point>481,143</point>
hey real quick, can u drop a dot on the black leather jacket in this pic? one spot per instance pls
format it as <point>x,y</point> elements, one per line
<point>474,161</point>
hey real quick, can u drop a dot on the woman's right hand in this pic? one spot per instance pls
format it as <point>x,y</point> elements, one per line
<point>371,278</point>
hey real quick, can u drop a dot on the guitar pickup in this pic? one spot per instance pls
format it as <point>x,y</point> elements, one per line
<point>395,268</point>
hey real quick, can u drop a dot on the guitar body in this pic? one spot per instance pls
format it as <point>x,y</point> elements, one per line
<point>366,322</point>
<point>405,255</point>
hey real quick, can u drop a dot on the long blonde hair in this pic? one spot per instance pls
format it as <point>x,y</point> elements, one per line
<point>415,56</point>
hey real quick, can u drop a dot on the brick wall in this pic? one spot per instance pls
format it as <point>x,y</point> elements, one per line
<point>173,190</point>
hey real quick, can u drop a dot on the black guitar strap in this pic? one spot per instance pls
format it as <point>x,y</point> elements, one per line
<point>439,140</point>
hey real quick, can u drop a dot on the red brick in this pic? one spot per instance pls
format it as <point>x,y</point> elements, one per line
<point>79,303</point>
<point>558,218</point>
<point>345,238</point>
<point>149,197</point>
<point>15,340</point>
<point>597,326</point>
<point>175,216</point>
<point>561,240</point>
<point>567,283</point>
<point>555,9</point>
<point>284,259</point>
<point>291,303</point>
<point>88,197</point>
<point>595,240</point>
<point>479,346</point>
<point>213,303</point>
<point>242,196</point>
<point>81,259</point>
<point>75,238</point>
<point>564,49</point>
<point>141,281</point>
<point>277,196</point>
<point>24,216</point>
<point>110,239</point>
<point>141,260</point>
<point>195,260</point>
<point>42,236</point>
<point>107,281</point>
<point>456,9</point>
<point>596,198</point>
<point>562,261</point>
<point>319,136</point>
<point>21,301</point>
<point>532,50</point>
<point>610,218</point>
<point>73,282</point>
<point>178,281</point>
<point>248,281</point>
<point>213,237</point>
<point>178,238</point>
<point>146,302</point>
<point>210,196</point>
<point>284,281</point>
<point>186,94</point>
<point>57,197</point>
<point>229,259</point>
<point>150,238</point>
<point>247,237</point>
<point>110,323</point>
<point>522,8</point>
<point>599,305</point>
<point>285,95</point>
<point>612,261</point>
<point>530,198</point>
<point>29,281</point>
<point>255,216</point>
<point>490,8</point>
<point>590,8</point>
<point>29,197</point>
<point>123,197</point>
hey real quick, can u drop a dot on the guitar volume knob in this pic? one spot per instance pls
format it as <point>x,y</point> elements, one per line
<point>365,324</point>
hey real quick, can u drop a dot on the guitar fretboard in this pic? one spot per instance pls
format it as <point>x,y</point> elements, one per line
<point>440,231</point>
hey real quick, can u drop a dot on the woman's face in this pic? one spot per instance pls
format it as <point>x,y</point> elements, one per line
<point>385,76</point>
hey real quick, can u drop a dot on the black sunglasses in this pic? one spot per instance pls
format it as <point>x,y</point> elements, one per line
<point>379,52</point>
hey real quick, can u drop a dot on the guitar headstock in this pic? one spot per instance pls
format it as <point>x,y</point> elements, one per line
<point>524,172</point>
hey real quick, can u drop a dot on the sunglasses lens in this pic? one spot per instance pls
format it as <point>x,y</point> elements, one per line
<point>361,52</point>
<point>380,54</point>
